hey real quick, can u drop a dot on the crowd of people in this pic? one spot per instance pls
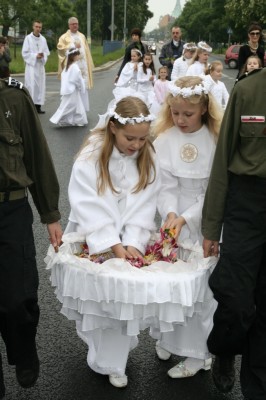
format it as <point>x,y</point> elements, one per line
<point>174,143</point>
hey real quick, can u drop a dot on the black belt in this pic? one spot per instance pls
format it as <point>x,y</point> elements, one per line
<point>14,195</point>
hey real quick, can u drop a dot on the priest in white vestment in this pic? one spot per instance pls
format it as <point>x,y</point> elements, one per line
<point>75,38</point>
<point>35,52</point>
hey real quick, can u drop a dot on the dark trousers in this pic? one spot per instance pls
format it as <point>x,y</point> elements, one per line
<point>19,311</point>
<point>239,284</point>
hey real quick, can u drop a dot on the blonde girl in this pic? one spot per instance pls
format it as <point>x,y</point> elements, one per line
<point>187,129</point>
<point>182,63</point>
<point>160,89</point>
<point>72,111</point>
<point>216,87</point>
<point>146,77</point>
<point>199,61</point>
<point>112,193</point>
<point>127,82</point>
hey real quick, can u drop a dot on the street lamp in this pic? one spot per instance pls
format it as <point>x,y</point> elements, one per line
<point>125,22</point>
<point>89,22</point>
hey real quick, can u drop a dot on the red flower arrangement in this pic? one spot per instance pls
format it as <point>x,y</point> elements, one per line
<point>164,249</point>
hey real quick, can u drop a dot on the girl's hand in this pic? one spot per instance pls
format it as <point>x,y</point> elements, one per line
<point>135,66</point>
<point>152,78</point>
<point>170,217</point>
<point>119,251</point>
<point>134,252</point>
<point>175,223</point>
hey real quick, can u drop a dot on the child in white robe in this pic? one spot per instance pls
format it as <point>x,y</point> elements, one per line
<point>160,89</point>
<point>146,77</point>
<point>71,111</point>
<point>182,63</point>
<point>216,87</point>
<point>199,61</point>
<point>127,82</point>
<point>185,147</point>
<point>113,194</point>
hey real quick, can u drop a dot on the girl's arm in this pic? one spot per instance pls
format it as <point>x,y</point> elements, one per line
<point>97,216</point>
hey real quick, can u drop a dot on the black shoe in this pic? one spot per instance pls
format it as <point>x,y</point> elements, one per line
<point>2,385</point>
<point>27,373</point>
<point>39,110</point>
<point>223,373</point>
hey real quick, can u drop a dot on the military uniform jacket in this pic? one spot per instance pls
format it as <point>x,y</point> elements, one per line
<point>25,159</point>
<point>241,147</point>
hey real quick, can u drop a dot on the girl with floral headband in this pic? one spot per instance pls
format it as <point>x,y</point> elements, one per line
<point>213,79</point>
<point>187,129</point>
<point>199,61</point>
<point>182,63</point>
<point>113,193</point>
<point>71,111</point>
<point>127,82</point>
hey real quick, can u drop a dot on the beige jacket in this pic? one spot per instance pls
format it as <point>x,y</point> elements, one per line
<point>64,44</point>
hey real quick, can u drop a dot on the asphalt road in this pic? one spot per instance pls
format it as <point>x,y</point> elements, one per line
<point>64,373</point>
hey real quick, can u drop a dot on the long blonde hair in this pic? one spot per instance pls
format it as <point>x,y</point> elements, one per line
<point>212,117</point>
<point>128,107</point>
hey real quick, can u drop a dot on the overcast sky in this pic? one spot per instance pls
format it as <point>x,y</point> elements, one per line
<point>159,7</point>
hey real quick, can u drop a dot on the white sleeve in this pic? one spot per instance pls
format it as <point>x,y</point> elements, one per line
<point>193,214</point>
<point>97,216</point>
<point>141,76</point>
<point>168,196</point>
<point>175,70</point>
<point>141,214</point>
<point>28,56</point>
<point>225,96</point>
<point>126,74</point>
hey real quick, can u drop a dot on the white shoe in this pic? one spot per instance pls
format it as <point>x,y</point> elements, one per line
<point>182,370</point>
<point>118,381</point>
<point>161,353</point>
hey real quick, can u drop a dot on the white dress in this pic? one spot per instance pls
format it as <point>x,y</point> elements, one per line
<point>145,85</point>
<point>160,91</point>
<point>180,68</point>
<point>127,82</point>
<point>218,90</point>
<point>34,69</point>
<point>196,69</point>
<point>185,161</point>
<point>106,220</point>
<point>71,110</point>
<point>82,63</point>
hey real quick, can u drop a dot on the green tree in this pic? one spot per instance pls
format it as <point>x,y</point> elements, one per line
<point>204,20</point>
<point>242,12</point>
<point>137,16</point>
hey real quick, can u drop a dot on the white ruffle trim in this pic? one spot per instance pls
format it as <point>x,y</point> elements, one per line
<point>114,293</point>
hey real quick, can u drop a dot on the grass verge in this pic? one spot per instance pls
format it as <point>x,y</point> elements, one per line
<point>17,64</point>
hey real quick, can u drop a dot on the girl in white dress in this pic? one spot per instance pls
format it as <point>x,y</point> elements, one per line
<point>127,82</point>
<point>160,89</point>
<point>71,111</point>
<point>199,61</point>
<point>188,127</point>
<point>146,77</point>
<point>216,87</point>
<point>113,194</point>
<point>182,63</point>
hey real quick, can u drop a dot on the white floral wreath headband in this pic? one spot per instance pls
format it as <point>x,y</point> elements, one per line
<point>72,50</point>
<point>111,113</point>
<point>131,120</point>
<point>186,92</point>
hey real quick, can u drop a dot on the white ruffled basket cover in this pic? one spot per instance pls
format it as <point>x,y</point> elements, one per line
<point>115,293</point>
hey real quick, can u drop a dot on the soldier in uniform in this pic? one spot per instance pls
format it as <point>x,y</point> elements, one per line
<point>25,164</point>
<point>236,200</point>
